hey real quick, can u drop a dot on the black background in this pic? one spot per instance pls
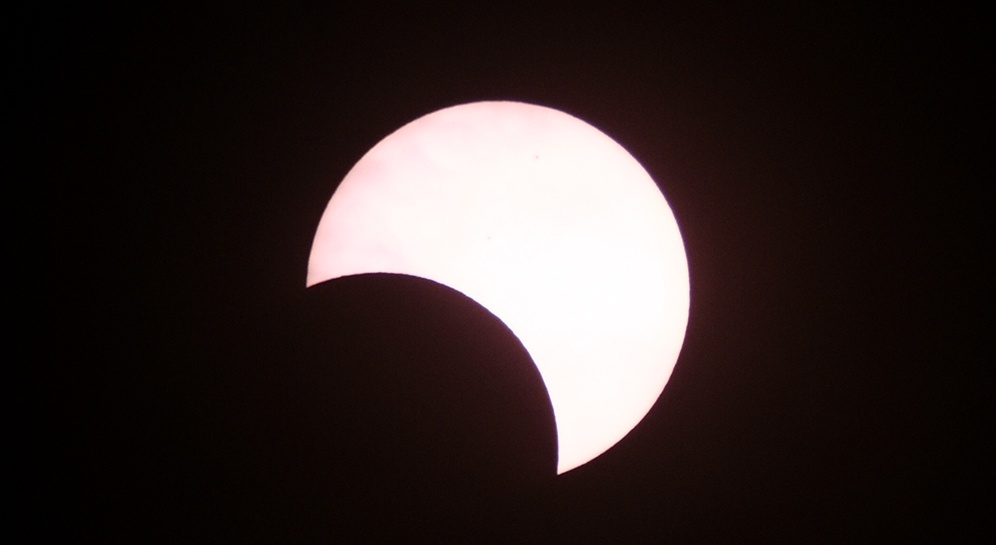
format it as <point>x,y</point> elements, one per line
<point>820,161</point>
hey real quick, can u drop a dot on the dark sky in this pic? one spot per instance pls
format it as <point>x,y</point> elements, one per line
<point>820,162</point>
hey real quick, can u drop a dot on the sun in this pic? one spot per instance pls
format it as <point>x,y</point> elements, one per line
<point>549,224</point>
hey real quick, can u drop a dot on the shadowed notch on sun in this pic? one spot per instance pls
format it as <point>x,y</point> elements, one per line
<point>426,381</point>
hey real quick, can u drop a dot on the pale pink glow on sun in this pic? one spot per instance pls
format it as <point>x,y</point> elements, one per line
<point>550,225</point>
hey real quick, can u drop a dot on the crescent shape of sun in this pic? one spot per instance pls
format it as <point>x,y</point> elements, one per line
<point>549,224</point>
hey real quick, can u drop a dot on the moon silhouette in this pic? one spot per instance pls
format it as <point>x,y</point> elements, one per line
<point>550,225</point>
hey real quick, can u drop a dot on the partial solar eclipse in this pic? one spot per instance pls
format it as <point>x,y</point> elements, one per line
<point>549,224</point>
